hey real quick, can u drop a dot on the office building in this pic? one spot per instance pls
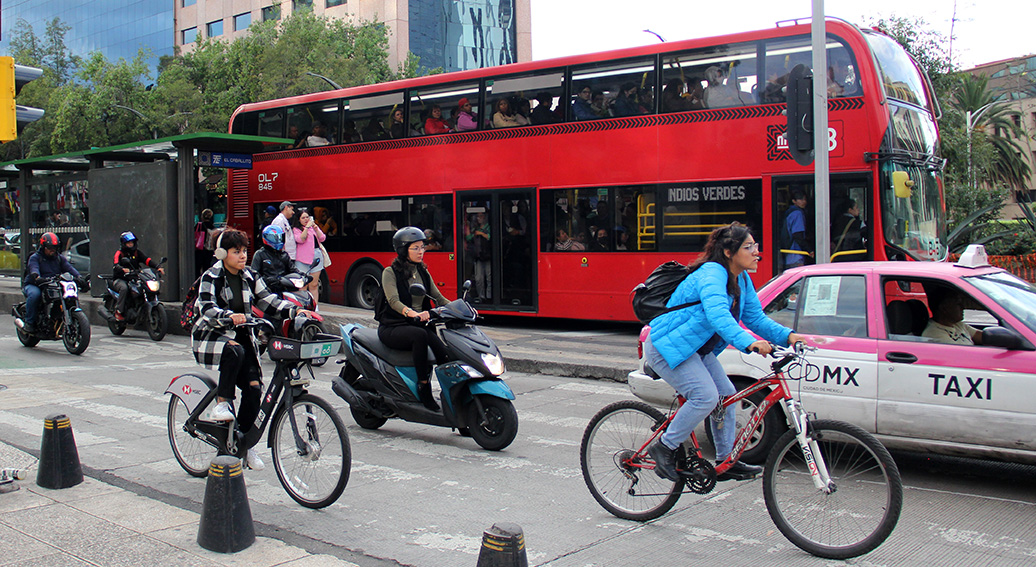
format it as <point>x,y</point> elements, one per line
<point>453,34</point>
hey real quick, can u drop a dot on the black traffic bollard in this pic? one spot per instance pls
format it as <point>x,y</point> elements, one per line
<point>226,520</point>
<point>503,545</point>
<point>59,460</point>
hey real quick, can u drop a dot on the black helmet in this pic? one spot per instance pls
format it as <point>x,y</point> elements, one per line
<point>127,237</point>
<point>404,237</point>
<point>49,240</point>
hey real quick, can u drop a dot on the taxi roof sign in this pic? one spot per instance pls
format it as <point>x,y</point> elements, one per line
<point>973,257</point>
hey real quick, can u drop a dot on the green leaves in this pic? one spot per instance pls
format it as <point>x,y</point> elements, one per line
<point>97,102</point>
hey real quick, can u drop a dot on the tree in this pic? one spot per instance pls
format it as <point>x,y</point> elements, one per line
<point>1009,167</point>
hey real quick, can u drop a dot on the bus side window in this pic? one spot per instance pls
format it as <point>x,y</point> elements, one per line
<point>521,95</point>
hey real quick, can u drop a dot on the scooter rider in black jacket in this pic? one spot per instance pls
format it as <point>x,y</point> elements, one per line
<point>128,258</point>
<point>271,262</point>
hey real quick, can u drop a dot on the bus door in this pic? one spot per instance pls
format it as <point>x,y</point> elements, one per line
<point>495,245</point>
<point>795,228</point>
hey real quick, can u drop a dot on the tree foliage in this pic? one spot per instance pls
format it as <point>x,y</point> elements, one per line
<point>94,102</point>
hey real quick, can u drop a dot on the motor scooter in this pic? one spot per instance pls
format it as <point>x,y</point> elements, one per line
<point>142,306</point>
<point>301,327</point>
<point>380,383</point>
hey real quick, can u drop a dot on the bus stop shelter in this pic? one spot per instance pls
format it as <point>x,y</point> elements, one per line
<point>89,198</point>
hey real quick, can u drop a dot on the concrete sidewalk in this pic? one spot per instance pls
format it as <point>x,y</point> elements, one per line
<point>607,354</point>
<point>96,523</point>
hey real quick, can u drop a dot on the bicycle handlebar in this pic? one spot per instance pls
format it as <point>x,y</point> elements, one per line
<point>788,354</point>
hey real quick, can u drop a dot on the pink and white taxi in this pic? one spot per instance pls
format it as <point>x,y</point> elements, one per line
<point>929,356</point>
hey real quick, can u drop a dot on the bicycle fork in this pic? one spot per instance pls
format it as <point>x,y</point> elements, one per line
<point>798,420</point>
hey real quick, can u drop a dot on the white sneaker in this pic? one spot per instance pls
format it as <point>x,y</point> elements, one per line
<point>222,412</point>
<point>253,461</point>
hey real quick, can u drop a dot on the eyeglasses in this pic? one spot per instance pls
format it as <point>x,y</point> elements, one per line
<point>753,247</point>
<point>418,248</point>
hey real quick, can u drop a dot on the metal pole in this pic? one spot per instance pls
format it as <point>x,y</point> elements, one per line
<point>971,174</point>
<point>821,163</point>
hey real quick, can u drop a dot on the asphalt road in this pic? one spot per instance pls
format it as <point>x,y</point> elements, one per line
<point>421,495</point>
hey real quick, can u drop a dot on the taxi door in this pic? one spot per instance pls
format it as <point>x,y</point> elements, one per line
<point>840,381</point>
<point>952,393</point>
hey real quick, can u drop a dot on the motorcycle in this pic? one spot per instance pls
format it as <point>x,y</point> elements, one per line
<point>59,315</point>
<point>380,383</point>
<point>300,328</point>
<point>142,306</point>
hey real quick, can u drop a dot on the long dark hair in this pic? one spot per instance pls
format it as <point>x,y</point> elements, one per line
<point>722,239</point>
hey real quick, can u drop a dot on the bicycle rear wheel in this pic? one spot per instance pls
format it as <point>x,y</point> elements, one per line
<point>621,480</point>
<point>315,474</point>
<point>193,454</point>
<point>854,519</point>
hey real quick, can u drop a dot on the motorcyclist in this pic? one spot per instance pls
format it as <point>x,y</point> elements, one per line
<point>402,321</point>
<point>128,258</point>
<point>45,262</point>
<point>272,263</point>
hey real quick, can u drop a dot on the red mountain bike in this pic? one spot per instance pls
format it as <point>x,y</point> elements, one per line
<point>830,487</point>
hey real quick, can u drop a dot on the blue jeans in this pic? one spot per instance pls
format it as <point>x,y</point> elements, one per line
<point>702,381</point>
<point>33,296</point>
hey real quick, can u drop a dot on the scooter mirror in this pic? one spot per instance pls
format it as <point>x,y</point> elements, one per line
<point>467,288</point>
<point>417,290</point>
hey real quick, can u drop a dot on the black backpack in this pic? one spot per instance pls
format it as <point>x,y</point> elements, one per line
<point>650,297</point>
<point>187,311</point>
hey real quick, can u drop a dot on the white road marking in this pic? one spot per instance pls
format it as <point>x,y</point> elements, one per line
<point>593,388</point>
<point>130,416</point>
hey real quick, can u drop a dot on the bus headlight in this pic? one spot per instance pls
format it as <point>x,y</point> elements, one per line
<point>153,285</point>
<point>494,363</point>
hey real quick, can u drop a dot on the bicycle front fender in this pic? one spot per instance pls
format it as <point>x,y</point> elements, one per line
<point>191,388</point>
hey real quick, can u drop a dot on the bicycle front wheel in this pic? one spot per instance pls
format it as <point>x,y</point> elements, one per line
<point>619,477</point>
<point>314,467</point>
<point>858,515</point>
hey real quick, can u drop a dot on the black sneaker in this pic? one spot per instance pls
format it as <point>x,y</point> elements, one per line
<point>665,461</point>
<point>740,471</point>
<point>28,328</point>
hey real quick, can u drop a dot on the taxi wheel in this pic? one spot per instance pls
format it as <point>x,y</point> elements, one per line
<point>762,439</point>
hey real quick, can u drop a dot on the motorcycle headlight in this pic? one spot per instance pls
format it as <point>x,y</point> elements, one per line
<point>153,285</point>
<point>494,363</point>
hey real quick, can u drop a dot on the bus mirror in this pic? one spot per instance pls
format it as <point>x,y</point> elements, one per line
<point>800,114</point>
<point>902,183</point>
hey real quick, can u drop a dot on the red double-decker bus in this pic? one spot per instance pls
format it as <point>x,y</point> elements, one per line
<point>560,184</point>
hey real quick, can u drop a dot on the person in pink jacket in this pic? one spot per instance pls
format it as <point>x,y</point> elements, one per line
<point>465,117</point>
<point>308,257</point>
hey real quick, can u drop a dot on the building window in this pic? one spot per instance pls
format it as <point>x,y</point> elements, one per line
<point>272,13</point>
<point>187,3</point>
<point>190,35</point>
<point>297,5</point>
<point>333,3</point>
<point>242,21</point>
<point>214,29</point>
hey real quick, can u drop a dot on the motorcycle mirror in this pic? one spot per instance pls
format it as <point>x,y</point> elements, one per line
<point>417,290</point>
<point>467,288</point>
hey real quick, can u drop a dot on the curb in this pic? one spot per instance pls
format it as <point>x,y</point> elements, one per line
<point>548,363</point>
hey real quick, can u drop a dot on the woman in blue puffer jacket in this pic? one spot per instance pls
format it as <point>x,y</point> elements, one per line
<point>683,344</point>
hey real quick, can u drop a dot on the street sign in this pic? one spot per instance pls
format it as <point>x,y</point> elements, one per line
<point>226,160</point>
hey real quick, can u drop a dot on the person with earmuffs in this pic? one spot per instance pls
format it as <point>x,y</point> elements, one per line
<point>225,297</point>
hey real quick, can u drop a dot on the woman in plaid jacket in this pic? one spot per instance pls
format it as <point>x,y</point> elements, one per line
<point>225,297</point>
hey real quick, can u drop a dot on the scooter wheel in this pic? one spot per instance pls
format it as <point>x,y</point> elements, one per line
<point>497,425</point>
<point>366,420</point>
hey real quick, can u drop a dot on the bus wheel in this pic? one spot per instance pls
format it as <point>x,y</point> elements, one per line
<point>363,286</point>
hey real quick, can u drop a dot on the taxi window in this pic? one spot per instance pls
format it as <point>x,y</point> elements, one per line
<point>911,306</point>
<point>784,307</point>
<point>834,306</point>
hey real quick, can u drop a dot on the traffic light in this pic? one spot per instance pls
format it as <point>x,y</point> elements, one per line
<point>800,114</point>
<point>12,79</point>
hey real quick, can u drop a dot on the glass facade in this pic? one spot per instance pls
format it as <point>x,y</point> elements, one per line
<point>117,28</point>
<point>463,34</point>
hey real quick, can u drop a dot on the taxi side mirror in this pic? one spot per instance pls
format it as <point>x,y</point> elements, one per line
<point>902,184</point>
<point>1005,338</point>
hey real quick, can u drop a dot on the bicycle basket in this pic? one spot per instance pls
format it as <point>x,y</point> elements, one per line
<point>322,345</point>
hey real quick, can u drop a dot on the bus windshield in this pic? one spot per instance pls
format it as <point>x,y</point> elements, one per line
<point>898,73</point>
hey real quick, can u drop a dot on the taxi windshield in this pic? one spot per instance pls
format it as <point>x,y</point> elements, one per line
<point>1015,295</point>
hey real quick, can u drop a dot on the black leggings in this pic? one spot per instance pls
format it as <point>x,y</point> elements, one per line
<point>416,340</point>
<point>238,368</point>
